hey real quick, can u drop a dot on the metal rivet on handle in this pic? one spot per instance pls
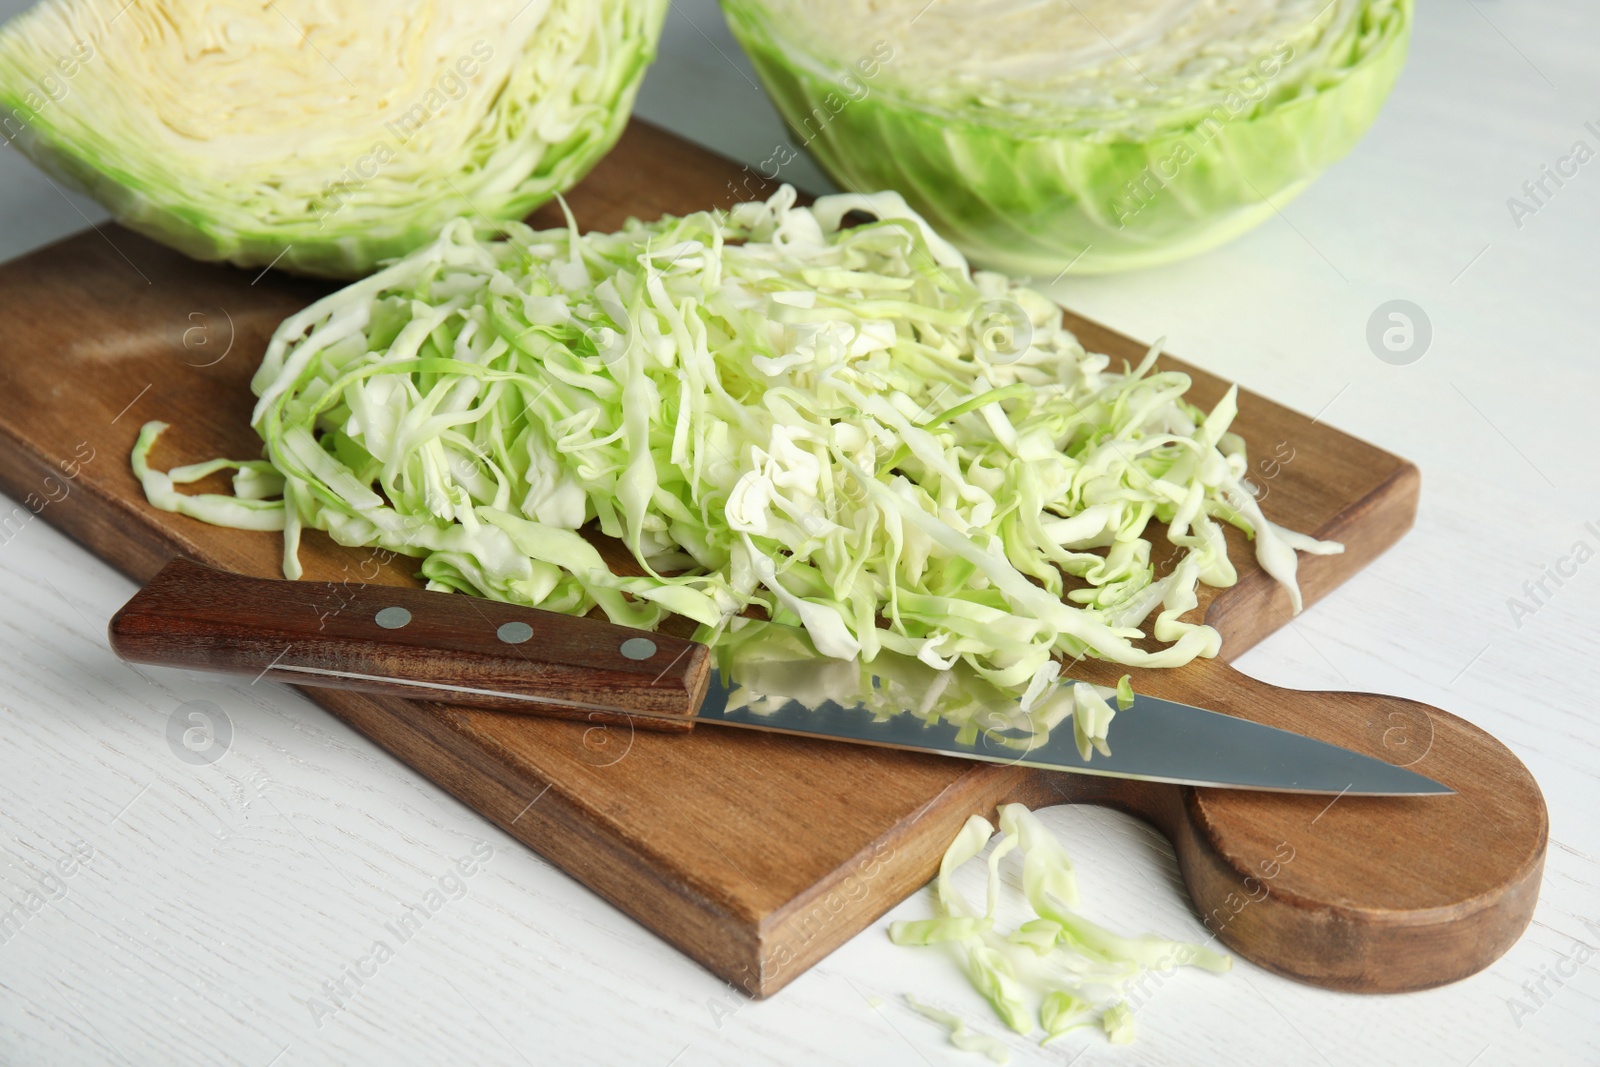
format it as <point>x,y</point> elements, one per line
<point>392,618</point>
<point>638,648</point>
<point>514,633</point>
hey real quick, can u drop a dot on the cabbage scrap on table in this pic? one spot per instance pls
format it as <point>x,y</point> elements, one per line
<point>837,426</point>
<point>1058,971</point>
<point>320,137</point>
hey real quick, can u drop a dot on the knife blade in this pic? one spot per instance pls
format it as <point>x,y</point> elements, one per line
<point>1153,740</point>
<point>764,676</point>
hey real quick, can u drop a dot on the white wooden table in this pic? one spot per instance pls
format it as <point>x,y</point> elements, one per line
<point>208,903</point>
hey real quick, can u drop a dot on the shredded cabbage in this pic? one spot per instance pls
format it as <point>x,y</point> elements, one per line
<point>1057,970</point>
<point>961,1035</point>
<point>772,412</point>
<point>777,665</point>
<point>1118,1023</point>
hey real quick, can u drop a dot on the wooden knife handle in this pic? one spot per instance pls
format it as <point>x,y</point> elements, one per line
<point>450,648</point>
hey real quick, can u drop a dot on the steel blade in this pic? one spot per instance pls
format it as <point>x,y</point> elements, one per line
<point>772,683</point>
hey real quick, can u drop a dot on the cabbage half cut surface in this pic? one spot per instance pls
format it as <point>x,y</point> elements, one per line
<point>1095,135</point>
<point>324,136</point>
<point>838,427</point>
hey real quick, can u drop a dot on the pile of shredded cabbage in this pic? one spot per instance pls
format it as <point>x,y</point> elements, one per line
<point>1058,970</point>
<point>774,413</point>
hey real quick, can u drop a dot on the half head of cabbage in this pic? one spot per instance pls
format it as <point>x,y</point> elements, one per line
<point>323,137</point>
<point>1081,135</point>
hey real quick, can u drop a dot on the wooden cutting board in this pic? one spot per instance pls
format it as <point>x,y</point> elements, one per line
<point>759,854</point>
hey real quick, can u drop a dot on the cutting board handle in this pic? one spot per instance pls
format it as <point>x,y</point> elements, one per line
<point>464,650</point>
<point>1365,894</point>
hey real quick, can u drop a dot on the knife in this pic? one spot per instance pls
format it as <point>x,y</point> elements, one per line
<point>478,653</point>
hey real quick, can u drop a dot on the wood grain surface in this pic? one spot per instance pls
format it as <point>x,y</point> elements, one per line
<point>758,855</point>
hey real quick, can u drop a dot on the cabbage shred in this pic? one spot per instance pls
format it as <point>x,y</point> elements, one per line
<point>1058,970</point>
<point>774,413</point>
